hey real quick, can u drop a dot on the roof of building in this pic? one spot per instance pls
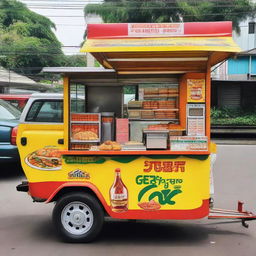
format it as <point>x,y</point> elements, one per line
<point>9,78</point>
<point>248,53</point>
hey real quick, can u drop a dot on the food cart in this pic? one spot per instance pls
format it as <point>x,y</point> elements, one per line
<point>139,147</point>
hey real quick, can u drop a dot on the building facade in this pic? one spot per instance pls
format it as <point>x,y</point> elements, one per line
<point>234,81</point>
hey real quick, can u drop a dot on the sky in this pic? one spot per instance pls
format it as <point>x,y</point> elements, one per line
<point>68,17</point>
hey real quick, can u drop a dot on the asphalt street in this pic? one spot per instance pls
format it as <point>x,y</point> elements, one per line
<point>26,229</point>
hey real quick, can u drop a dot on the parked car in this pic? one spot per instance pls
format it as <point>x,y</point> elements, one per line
<point>9,120</point>
<point>48,108</point>
<point>17,100</point>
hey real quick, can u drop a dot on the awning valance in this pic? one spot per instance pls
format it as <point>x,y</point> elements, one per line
<point>223,44</point>
<point>173,54</point>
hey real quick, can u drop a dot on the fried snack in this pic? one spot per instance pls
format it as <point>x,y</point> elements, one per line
<point>85,135</point>
<point>133,143</point>
<point>150,206</point>
<point>110,145</point>
<point>105,147</point>
<point>116,146</point>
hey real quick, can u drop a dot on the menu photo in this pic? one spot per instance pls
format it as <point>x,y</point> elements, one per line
<point>196,90</point>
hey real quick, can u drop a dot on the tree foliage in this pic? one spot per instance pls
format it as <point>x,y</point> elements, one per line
<point>115,11</point>
<point>75,61</point>
<point>27,39</point>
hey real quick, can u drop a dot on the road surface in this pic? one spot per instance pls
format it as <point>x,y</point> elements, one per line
<point>26,229</point>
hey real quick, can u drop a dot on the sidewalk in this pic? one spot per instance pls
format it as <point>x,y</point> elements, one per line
<point>233,135</point>
<point>234,141</point>
<point>233,129</point>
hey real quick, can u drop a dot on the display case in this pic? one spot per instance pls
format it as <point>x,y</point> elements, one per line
<point>155,103</point>
<point>85,130</point>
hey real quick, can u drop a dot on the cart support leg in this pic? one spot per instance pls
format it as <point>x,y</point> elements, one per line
<point>244,224</point>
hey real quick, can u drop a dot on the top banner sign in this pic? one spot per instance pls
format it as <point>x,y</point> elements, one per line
<point>155,29</point>
<point>150,30</point>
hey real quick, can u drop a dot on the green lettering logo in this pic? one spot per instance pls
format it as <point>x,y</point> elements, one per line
<point>164,196</point>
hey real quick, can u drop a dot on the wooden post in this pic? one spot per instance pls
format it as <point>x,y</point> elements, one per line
<point>66,103</point>
<point>208,102</point>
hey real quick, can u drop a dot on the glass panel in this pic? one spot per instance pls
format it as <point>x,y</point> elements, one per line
<point>129,92</point>
<point>46,111</point>
<point>196,112</point>
<point>8,112</point>
<point>251,27</point>
<point>84,127</point>
<point>77,92</point>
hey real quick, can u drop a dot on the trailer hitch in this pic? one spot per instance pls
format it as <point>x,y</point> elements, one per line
<point>238,214</point>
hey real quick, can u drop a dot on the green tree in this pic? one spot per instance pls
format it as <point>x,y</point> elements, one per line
<point>117,11</point>
<point>75,61</point>
<point>27,39</point>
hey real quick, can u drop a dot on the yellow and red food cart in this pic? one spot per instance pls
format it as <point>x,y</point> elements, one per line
<point>148,157</point>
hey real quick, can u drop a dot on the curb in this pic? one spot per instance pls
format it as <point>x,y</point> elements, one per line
<point>234,141</point>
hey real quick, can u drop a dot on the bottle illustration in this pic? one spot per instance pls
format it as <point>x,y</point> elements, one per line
<point>118,194</point>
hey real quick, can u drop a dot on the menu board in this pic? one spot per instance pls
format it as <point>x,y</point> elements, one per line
<point>196,90</point>
<point>188,143</point>
<point>196,126</point>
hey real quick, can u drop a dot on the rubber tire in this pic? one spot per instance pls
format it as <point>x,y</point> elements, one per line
<point>92,203</point>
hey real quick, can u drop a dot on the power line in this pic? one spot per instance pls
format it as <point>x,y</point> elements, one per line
<point>130,1</point>
<point>69,25</point>
<point>82,4</point>
<point>185,15</point>
<point>66,16</point>
<point>54,7</point>
<point>111,7</point>
<point>27,53</point>
<point>74,7</point>
<point>61,1</point>
<point>78,7</point>
<point>48,45</point>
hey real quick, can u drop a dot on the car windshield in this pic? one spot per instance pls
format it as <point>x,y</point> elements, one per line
<point>8,112</point>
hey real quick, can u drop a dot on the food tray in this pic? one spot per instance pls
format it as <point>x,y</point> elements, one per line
<point>165,114</point>
<point>163,91</point>
<point>80,146</point>
<point>85,117</point>
<point>84,132</point>
<point>135,104</point>
<point>175,133</point>
<point>150,105</point>
<point>134,114</point>
<point>151,91</point>
<point>147,114</point>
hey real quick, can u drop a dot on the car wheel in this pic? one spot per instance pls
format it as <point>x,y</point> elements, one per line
<point>78,217</point>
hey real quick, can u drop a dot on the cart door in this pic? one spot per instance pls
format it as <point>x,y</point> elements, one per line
<point>40,134</point>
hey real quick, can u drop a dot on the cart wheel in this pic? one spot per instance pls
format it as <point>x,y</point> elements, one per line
<point>78,217</point>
